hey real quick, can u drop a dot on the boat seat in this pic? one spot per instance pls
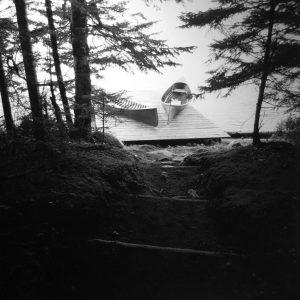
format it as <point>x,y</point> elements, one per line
<point>180,91</point>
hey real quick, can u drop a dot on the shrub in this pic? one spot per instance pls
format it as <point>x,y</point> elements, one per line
<point>25,127</point>
<point>109,139</point>
<point>289,130</point>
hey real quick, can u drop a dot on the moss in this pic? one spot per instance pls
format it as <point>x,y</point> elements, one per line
<point>109,139</point>
<point>253,191</point>
<point>56,171</point>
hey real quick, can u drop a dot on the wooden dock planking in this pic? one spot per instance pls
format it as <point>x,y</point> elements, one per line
<point>189,124</point>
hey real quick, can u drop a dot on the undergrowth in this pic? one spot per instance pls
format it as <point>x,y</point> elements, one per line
<point>254,193</point>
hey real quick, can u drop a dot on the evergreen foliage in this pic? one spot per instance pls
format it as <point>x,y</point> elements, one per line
<point>260,45</point>
<point>115,38</point>
<point>6,25</point>
<point>127,44</point>
<point>289,130</point>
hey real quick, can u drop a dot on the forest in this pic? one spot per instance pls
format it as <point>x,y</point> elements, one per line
<point>83,216</point>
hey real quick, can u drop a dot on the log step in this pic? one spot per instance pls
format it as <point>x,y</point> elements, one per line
<point>165,198</point>
<point>184,251</point>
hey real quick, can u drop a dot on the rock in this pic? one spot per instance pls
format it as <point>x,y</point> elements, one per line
<point>202,150</point>
<point>193,194</point>
<point>168,163</point>
<point>161,154</point>
<point>147,148</point>
<point>164,176</point>
<point>202,160</point>
<point>115,234</point>
<point>4,207</point>
<point>179,197</point>
<point>234,144</point>
<point>165,159</point>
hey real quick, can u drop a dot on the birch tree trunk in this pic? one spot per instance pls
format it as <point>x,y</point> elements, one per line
<point>82,109</point>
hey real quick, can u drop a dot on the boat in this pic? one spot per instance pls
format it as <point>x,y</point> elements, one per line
<point>176,98</point>
<point>135,111</point>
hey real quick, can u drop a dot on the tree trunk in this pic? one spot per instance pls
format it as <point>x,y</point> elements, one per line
<point>82,109</point>
<point>10,128</point>
<point>56,108</point>
<point>103,120</point>
<point>61,84</point>
<point>265,73</point>
<point>57,112</point>
<point>31,79</point>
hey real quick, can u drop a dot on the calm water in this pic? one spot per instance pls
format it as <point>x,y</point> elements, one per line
<point>234,114</point>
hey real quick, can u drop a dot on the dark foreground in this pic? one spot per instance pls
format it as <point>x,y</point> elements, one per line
<point>58,200</point>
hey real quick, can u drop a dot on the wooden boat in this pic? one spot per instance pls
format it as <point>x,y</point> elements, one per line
<point>135,111</point>
<point>176,98</point>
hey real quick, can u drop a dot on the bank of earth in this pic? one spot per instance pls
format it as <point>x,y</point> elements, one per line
<point>82,221</point>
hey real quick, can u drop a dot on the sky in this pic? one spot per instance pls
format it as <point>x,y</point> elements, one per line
<point>192,67</point>
<point>234,113</point>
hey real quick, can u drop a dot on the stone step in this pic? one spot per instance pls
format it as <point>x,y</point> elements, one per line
<point>178,167</point>
<point>172,181</point>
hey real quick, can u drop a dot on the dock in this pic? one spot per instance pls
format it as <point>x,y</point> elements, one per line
<point>188,126</point>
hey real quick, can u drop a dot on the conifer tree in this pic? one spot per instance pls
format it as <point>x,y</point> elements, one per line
<point>260,46</point>
<point>5,25</point>
<point>120,39</point>
<point>29,65</point>
<point>115,37</point>
<point>5,101</point>
<point>125,40</point>
<point>57,64</point>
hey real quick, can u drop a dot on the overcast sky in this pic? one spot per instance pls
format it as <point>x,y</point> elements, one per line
<point>193,65</point>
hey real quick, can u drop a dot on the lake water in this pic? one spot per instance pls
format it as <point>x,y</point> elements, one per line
<point>234,114</point>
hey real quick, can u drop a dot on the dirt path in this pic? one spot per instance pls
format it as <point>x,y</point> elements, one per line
<point>170,212</point>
